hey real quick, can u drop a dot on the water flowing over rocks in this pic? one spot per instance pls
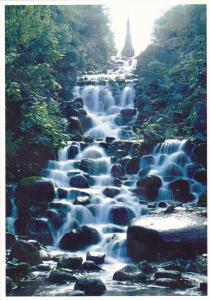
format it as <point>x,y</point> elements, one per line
<point>129,211</point>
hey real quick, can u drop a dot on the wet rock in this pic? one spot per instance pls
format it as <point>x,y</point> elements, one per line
<point>26,252</point>
<point>62,193</point>
<point>123,161</point>
<point>10,240</point>
<point>120,154</point>
<point>79,238</point>
<point>93,166</point>
<point>201,176</point>
<point>148,187</point>
<point>199,153</point>
<point>169,209</point>
<point>175,235</point>
<point>18,270</point>
<point>109,139</point>
<point>82,200</point>
<point>203,287</point>
<point>171,265</point>
<point>121,215</point>
<point>91,286</point>
<point>44,267</point>
<point>35,228</point>
<point>168,282</point>
<point>33,191</point>
<point>89,265</point>
<point>162,273</point>
<point>201,264</point>
<point>117,182</point>
<point>143,172</point>
<point>129,273</point>
<point>73,262</point>
<point>145,267</point>
<point>202,201</point>
<point>181,190</point>
<point>132,166</point>
<point>162,204</point>
<point>111,192</point>
<point>72,151</point>
<point>75,125</point>
<point>96,257</point>
<point>9,285</point>
<point>61,276</point>
<point>146,160</point>
<point>79,181</point>
<point>117,170</point>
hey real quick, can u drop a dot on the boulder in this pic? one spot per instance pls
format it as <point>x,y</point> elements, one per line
<point>10,240</point>
<point>9,285</point>
<point>168,282</point>
<point>93,166</point>
<point>129,273</point>
<point>111,192</point>
<point>61,276</point>
<point>181,190</point>
<point>91,286</point>
<point>89,265</point>
<point>148,187</point>
<point>26,252</point>
<point>38,229</point>
<point>62,193</point>
<point>123,161</point>
<point>96,257</point>
<point>33,191</point>
<point>72,151</point>
<point>168,236</point>
<point>79,181</point>
<point>201,176</point>
<point>73,262</point>
<point>121,215</point>
<point>162,273</point>
<point>132,166</point>
<point>79,238</point>
<point>117,170</point>
<point>120,154</point>
<point>18,270</point>
<point>75,125</point>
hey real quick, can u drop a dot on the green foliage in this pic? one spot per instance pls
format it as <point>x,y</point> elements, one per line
<point>172,70</point>
<point>46,48</point>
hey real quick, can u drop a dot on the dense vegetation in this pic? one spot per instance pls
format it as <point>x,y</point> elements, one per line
<point>46,48</point>
<point>171,94</point>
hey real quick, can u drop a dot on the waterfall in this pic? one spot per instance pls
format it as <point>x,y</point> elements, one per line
<point>86,188</point>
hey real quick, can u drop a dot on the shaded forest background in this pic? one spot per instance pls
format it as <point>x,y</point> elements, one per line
<point>47,47</point>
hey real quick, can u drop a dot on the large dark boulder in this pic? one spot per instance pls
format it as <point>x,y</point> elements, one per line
<point>121,215</point>
<point>72,151</point>
<point>181,190</point>
<point>33,191</point>
<point>111,192</point>
<point>132,166</point>
<point>117,170</point>
<point>17,270</point>
<point>61,276</point>
<point>129,273</point>
<point>91,286</point>
<point>80,238</point>
<point>35,228</point>
<point>168,236</point>
<point>201,176</point>
<point>79,181</point>
<point>148,187</point>
<point>73,262</point>
<point>96,257</point>
<point>75,125</point>
<point>26,252</point>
